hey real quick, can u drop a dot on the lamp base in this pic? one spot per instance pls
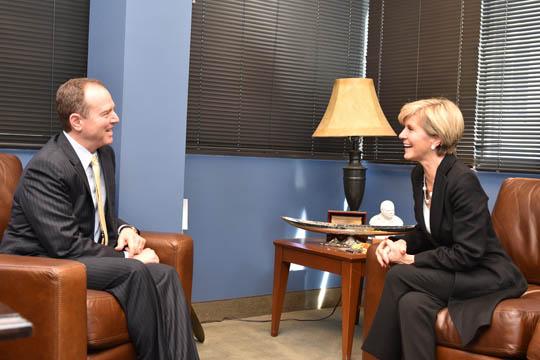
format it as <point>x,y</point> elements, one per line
<point>354,176</point>
<point>354,182</point>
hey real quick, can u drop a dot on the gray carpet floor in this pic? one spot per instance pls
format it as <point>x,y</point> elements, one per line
<point>297,340</point>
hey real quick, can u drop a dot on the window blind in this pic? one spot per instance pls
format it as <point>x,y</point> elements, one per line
<point>261,73</point>
<point>419,49</point>
<point>42,44</point>
<point>508,107</point>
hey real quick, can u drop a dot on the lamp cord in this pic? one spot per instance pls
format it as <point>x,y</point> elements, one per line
<point>295,319</point>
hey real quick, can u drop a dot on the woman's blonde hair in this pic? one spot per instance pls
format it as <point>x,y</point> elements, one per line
<point>438,117</point>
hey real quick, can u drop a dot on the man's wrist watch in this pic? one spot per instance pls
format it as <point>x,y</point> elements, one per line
<point>122,227</point>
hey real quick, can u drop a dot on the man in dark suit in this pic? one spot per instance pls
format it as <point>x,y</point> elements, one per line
<point>64,208</point>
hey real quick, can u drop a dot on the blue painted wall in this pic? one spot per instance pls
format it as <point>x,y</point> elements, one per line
<point>140,49</point>
<point>106,38</point>
<point>236,203</point>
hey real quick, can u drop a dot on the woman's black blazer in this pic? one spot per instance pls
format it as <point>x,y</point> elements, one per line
<point>463,241</point>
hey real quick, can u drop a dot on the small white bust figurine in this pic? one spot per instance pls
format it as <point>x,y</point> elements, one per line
<point>387,216</point>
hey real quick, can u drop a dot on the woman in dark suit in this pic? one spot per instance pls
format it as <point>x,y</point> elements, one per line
<point>453,259</point>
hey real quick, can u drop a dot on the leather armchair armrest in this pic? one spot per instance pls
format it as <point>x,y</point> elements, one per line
<point>176,250</point>
<point>375,275</point>
<point>533,351</point>
<point>51,294</point>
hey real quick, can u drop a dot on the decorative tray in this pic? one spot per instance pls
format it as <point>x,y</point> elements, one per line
<point>347,229</point>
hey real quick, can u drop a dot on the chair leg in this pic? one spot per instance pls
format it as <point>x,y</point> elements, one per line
<point>198,330</point>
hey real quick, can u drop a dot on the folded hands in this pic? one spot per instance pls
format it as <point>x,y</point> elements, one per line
<point>393,252</point>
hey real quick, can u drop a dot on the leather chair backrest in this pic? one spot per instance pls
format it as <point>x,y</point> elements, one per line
<point>10,173</point>
<point>516,219</point>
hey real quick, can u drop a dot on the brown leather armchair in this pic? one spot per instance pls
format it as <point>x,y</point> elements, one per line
<point>515,328</point>
<point>70,322</point>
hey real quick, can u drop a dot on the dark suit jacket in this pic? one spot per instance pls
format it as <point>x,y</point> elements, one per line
<point>463,241</point>
<point>53,213</point>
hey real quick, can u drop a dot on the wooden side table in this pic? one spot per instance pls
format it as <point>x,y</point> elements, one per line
<point>311,253</point>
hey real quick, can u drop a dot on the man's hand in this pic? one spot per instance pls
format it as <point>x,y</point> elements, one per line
<point>147,256</point>
<point>129,240</point>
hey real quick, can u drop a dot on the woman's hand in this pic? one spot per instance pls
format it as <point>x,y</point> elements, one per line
<point>386,251</point>
<point>403,257</point>
<point>390,251</point>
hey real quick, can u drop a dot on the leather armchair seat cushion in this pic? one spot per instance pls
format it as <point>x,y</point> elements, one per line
<point>513,324</point>
<point>107,326</point>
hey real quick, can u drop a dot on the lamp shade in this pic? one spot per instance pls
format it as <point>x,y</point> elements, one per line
<point>353,110</point>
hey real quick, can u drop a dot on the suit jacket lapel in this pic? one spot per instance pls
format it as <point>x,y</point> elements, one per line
<point>439,194</point>
<point>66,147</point>
<point>418,193</point>
<point>418,197</point>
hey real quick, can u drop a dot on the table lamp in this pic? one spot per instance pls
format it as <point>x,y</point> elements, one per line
<point>354,111</point>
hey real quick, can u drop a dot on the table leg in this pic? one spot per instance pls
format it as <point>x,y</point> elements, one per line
<point>350,288</point>
<point>281,275</point>
<point>359,301</point>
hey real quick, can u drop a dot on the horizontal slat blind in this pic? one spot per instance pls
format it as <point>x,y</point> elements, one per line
<point>42,44</point>
<point>419,49</point>
<point>261,73</point>
<point>508,107</point>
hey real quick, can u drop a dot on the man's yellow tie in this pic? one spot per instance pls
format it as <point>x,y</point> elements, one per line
<point>100,206</point>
